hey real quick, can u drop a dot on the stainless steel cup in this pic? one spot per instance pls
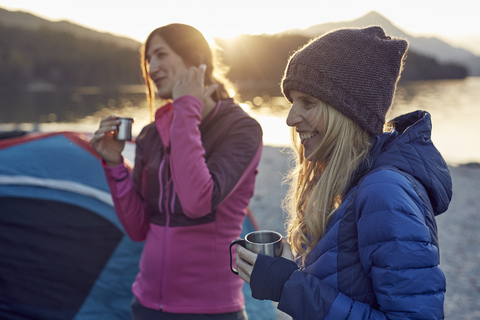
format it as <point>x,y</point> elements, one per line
<point>264,242</point>
<point>124,130</point>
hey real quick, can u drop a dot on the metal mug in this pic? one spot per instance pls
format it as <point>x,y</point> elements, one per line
<point>264,242</point>
<point>124,130</point>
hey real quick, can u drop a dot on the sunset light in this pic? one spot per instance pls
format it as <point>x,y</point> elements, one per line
<point>226,18</point>
<point>139,140</point>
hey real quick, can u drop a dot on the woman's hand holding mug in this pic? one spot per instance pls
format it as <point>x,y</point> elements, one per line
<point>265,242</point>
<point>104,142</point>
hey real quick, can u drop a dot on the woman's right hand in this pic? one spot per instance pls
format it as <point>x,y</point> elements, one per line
<point>105,145</point>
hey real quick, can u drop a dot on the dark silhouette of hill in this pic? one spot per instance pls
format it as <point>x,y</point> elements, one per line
<point>31,22</point>
<point>257,62</point>
<point>55,59</point>
<point>36,53</point>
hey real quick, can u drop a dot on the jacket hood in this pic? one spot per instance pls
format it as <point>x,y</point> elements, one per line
<point>410,149</point>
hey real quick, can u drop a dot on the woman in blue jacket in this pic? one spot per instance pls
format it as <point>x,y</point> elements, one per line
<point>363,195</point>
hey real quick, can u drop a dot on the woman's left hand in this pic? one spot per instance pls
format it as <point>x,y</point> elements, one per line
<point>193,84</point>
<point>246,259</point>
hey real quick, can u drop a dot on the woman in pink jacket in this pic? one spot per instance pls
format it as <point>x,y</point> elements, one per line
<point>194,174</point>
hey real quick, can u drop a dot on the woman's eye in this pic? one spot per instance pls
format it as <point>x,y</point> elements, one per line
<point>309,103</point>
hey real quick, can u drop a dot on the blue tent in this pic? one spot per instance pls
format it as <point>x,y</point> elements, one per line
<point>63,253</point>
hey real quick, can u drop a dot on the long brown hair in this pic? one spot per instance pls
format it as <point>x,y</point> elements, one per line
<point>193,48</point>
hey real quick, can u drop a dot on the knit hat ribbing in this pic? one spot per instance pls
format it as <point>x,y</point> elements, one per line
<point>354,70</point>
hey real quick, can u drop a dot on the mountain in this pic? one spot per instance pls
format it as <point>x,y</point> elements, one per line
<point>52,40</point>
<point>20,19</point>
<point>430,47</point>
<point>40,55</point>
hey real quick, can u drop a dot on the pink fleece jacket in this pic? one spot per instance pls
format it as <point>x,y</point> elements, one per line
<point>187,199</point>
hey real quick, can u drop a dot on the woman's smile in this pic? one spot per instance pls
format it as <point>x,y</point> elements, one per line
<point>305,136</point>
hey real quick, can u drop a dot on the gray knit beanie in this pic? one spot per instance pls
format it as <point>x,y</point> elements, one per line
<point>354,70</point>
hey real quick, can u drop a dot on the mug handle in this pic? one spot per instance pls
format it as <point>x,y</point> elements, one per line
<point>236,241</point>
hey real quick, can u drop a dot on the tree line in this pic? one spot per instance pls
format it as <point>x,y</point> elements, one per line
<point>264,58</point>
<point>58,58</point>
<point>61,59</point>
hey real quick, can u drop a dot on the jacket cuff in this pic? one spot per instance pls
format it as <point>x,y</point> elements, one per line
<point>117,173</point>
<point>269,276</point>
<point>104,164</point>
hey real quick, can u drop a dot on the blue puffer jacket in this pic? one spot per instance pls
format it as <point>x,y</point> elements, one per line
<point>379,258</point>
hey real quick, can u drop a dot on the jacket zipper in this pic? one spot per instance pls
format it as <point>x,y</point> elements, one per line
<point>166,209</point>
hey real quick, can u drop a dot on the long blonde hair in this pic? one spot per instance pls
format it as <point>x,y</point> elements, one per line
<point>318,184</point>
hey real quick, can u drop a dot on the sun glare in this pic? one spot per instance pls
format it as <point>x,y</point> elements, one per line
<point>228,18</point>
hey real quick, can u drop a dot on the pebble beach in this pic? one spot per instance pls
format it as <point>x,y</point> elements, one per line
<point>458,228</point>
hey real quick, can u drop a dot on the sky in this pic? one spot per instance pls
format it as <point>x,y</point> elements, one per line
<point>454,21</point>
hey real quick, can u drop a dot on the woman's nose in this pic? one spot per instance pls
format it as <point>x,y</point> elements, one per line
<point>153,67</point>
<point>293,117</point>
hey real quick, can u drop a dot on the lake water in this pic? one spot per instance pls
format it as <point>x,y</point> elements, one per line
<point>453,104</point>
